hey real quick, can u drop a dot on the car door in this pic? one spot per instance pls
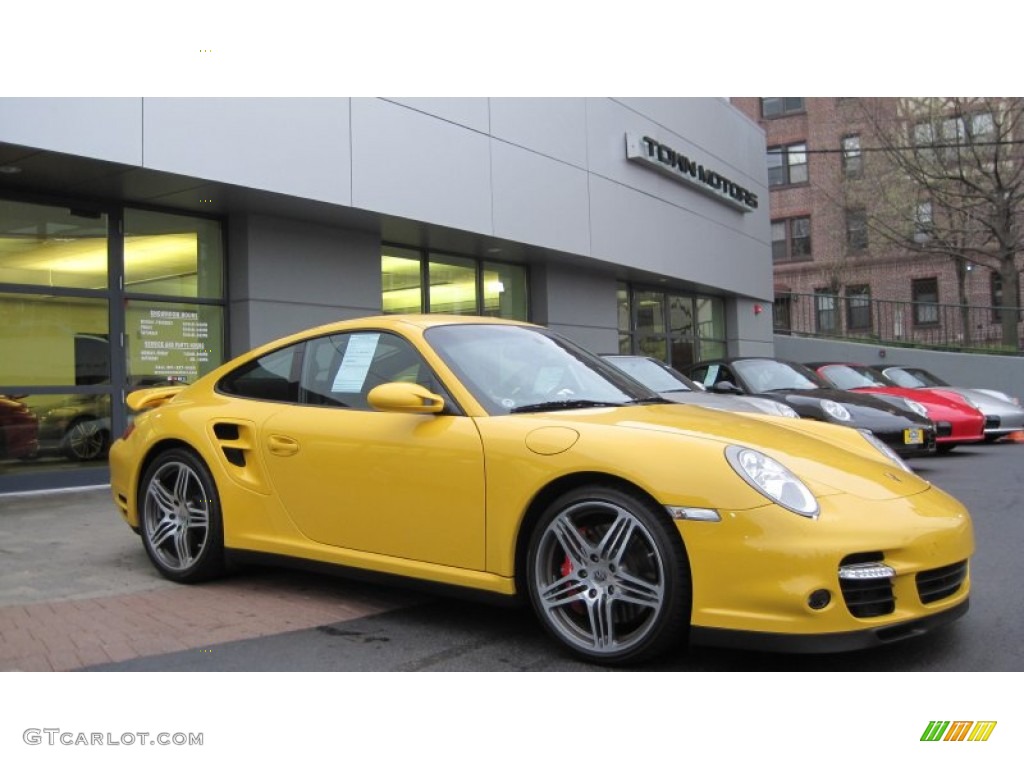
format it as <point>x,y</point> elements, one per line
<point>396,484</point>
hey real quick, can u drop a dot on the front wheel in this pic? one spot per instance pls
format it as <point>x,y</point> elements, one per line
<point>86,440</point>
<point>608,576</point>
<point>180,516</point>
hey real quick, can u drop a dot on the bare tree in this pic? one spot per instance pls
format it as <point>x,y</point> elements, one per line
<point>952,184</point>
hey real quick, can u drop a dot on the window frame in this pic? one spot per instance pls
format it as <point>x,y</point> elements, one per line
<point>790,254</point>
<point>858,303</point>
<point>921,319</point>
<point>852,157</point>
<point>857,228</point>
<point>786,153</point>
<point>784,109</point>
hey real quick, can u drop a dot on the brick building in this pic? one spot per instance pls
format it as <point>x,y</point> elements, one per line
<point>839,268</point>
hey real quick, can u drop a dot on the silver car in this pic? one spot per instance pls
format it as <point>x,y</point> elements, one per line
<point>674,386</point>
<point>1003,413</point>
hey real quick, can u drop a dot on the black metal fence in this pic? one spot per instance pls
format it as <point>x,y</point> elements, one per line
<point>909,323</point>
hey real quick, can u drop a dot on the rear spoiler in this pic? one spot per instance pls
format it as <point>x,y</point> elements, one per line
<point>145,399</point>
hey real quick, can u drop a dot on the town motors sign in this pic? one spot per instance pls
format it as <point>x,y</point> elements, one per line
<point>662,158</point>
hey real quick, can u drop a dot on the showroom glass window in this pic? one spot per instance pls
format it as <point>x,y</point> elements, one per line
<point>677,328</point>
<point>77,282</point>
<point>415,280</point>
<point>55,361</point>
<point>174,286</point>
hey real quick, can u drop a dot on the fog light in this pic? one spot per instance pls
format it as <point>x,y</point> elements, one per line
<point>819,599</point>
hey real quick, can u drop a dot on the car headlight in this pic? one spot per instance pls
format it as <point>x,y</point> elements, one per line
<point>836,411</point>
<point>885,450</point>
<point>773,480</point>
<point>916,407</point>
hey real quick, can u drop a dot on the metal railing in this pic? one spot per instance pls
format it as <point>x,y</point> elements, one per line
<point>910,323</point>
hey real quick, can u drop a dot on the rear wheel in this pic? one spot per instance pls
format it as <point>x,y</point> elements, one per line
<point>608,576</point>
<point>180,518</point>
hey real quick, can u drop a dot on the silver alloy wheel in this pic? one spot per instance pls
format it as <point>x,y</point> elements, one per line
<point>85,440</point>
<point>599,578</point>
<point>176,516</point>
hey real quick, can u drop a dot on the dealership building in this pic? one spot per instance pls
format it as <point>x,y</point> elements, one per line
<point>147,240</point>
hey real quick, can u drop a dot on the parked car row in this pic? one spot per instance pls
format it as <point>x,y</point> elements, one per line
<point>910,410</point>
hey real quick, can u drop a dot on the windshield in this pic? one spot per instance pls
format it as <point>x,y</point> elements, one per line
<point>904,377</point>
<point>769,375</point>
<point>516,368</point>
<point>650,374</point>
<point>845,377</point>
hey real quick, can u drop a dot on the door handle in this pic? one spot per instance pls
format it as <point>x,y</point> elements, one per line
<point>279,445</point>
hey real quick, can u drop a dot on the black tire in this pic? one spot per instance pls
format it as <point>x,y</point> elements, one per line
<point>85,440</point>
<point>180,518</point>
<point>608,576</point>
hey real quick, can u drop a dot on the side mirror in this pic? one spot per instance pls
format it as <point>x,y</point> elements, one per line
<point>404,397</point>
<point>726,388</point>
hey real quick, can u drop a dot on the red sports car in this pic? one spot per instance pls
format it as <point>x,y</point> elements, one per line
<point>956,421</point>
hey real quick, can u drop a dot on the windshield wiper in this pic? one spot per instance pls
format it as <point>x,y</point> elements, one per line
<point>560,405</point>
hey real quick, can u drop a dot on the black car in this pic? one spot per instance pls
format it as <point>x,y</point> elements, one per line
<point>900,424</point>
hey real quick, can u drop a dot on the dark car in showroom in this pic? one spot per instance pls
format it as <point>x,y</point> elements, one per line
<point>900,424</point>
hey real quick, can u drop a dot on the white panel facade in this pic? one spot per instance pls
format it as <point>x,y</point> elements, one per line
<point>548,126</point>
<point>632,228</point>
<point>467,112</point>
<point>107,129</point>
<point>295,146</point>
<point>409,164</point>
<point>539,200</point>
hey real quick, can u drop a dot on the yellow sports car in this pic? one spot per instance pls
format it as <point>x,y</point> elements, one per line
<point>498,456</point>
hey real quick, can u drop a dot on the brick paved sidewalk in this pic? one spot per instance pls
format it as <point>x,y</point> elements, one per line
<point>76,589</point>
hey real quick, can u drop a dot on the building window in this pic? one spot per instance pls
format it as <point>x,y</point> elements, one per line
<point>996,286</point>
<point>858,307</point>
<point>414,281</point>
<point>857,229</point>
<point>782,315</point>
<point>825,315</point>
<point>791,239</point>
<point>853,164</point>
<point>779,106</point>
<point>925,295</point>
<point>787,165</point>
<point>924,223</point>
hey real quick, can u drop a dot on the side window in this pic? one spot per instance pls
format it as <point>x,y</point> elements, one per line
<point>340,370</point>
<point>271,377</point>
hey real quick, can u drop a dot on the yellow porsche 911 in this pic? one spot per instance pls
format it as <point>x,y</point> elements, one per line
<point>500,457</point>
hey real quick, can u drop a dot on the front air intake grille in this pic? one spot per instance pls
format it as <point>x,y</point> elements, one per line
<point>942,582</point>
<point>943,429</point>
<point>867,597</point>
<point>992,422</point>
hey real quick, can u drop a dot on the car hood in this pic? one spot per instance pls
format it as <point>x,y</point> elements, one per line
<point>986,403</point>
<point>828,458</point>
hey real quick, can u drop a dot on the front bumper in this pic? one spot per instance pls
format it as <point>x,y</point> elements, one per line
<point>761,574</point>
<point>830,642</point>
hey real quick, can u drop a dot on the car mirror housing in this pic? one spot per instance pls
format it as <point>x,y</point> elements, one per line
<point>404,397</point>
<point>727,388</point>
